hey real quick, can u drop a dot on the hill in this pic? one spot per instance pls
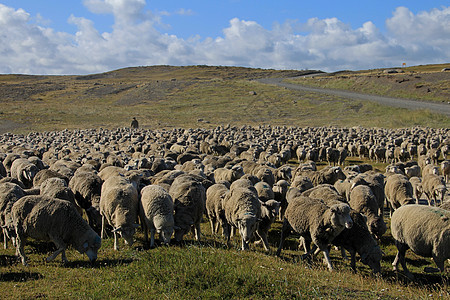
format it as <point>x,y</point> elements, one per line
<point>192,96</point>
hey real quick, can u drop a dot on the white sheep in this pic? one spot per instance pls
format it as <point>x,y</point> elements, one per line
<point>189,197</point>
<point>269,210</point>
<point>157,213</point>
<point>315,222</point>
<point>9,194</point>
<point>242,211</point>
<point>364,201</point>
<point>24,171</point>
<point>119,207</point>
<point>445,169</point>
<point>215,195</point>
<point>399,191</point>
<point>423,229</point>
<point>228,174</point>
<point>433,186</point>
<point>51,219</point>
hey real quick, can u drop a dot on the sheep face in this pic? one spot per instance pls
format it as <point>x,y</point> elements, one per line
<point>127,233</point>
<point>377,227</point>
<point>165,227</point>
<point>91,247</point>
<point>439,193</point>
<point>373,259</point>
<point>247,226</point>
<point>341,216</point>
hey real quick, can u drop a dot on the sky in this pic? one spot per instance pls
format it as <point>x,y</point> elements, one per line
<point>94,36</point>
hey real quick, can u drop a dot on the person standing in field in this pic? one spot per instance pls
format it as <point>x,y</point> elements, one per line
<point>134,123</point>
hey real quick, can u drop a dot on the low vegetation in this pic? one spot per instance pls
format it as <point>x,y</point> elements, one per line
<point>197,96</point>
<point>428,83</point>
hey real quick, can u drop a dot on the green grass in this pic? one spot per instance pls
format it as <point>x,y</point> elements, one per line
<point>209,270</point>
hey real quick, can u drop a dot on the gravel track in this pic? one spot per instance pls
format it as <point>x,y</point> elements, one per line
<point>436,107</point>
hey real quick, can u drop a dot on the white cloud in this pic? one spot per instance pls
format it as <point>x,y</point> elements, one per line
<point>327,44</point>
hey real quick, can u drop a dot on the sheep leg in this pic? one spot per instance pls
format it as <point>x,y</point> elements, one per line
<point>196,231</point>
<point>116,246</point>
<point>284,232</point>
<point>5,239</point>
<point>20,251</point>
<point>152,237</point>
<point>352,260</point>
<point>400,257</point>
<point>103,228</point>
<point>61,247</point>
<point>326,255</point>
<point>213,225</point>
<point>263,236</point>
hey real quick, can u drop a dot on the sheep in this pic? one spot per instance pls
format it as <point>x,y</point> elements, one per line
<point>430,169</point>
<point>279,191</point>
<point>242,211</point>
<point>376,183</point>
<point>363,201</point>
<point>424,230</point>
<point>156,207</point>
<point>358,239</point>
<point>229,175</point>
<point>24,171</point>
<point>189,198</point>
<point>433,186</point>
<point>445,169</point>
<point>269,210</point>
<point>327,175</point>
<point>215,195</point>
<point>9,194</point>
<point>45,174</point>
<point>57,188</point>
<point>51,219</point>
<point>119,208</point>
<point>87,187</point>
<point>416,183</point>
<point>315,222</point>
<point>413,171</point>
<point>399,191</point>
<point>264,191</point>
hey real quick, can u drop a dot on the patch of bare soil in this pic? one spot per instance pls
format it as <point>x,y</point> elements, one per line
<point>9,126</point>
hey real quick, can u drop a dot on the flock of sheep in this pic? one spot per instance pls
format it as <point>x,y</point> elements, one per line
<point>75,188</point>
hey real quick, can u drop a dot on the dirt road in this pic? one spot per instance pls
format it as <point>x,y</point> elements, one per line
<point>441,108</point>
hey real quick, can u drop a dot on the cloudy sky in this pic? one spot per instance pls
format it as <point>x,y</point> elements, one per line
<point>91,36</point>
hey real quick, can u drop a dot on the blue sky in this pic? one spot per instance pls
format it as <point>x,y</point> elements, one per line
<point>90,36</point>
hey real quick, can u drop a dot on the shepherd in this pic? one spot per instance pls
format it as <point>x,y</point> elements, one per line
<point>134,123</point>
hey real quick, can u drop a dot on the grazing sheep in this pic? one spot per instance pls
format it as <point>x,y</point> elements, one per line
<point>445,169</point>
<point>269,211</point>
<point>9,194</point>
<point>24,171</point>
<point>57,188</point>
<point>230,175</point>
<point>189,197</point>
<point>430,169</point>
<point>264,191</point>
<point>242,211</point>
<point>215,195</point>
<point>325,192</point>
<point>315,222</point>
<point>363,201</point>
<point>413,171</point>
<point>119,206</point>
<point>326,175</point>
<point>433,186</point>
<point>424,230</point>
<point>87,187</point>
<point>376,183</point>
<point>416,183</point>
<point>280,189</point>
<point>358,239</point>
<point>399,191</point>
<point>51,219</point>
<point>45,174</point>
<point>157,213</point>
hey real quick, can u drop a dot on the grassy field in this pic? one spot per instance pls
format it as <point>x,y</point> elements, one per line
<point>197,96</point>
<point>428,83</point>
